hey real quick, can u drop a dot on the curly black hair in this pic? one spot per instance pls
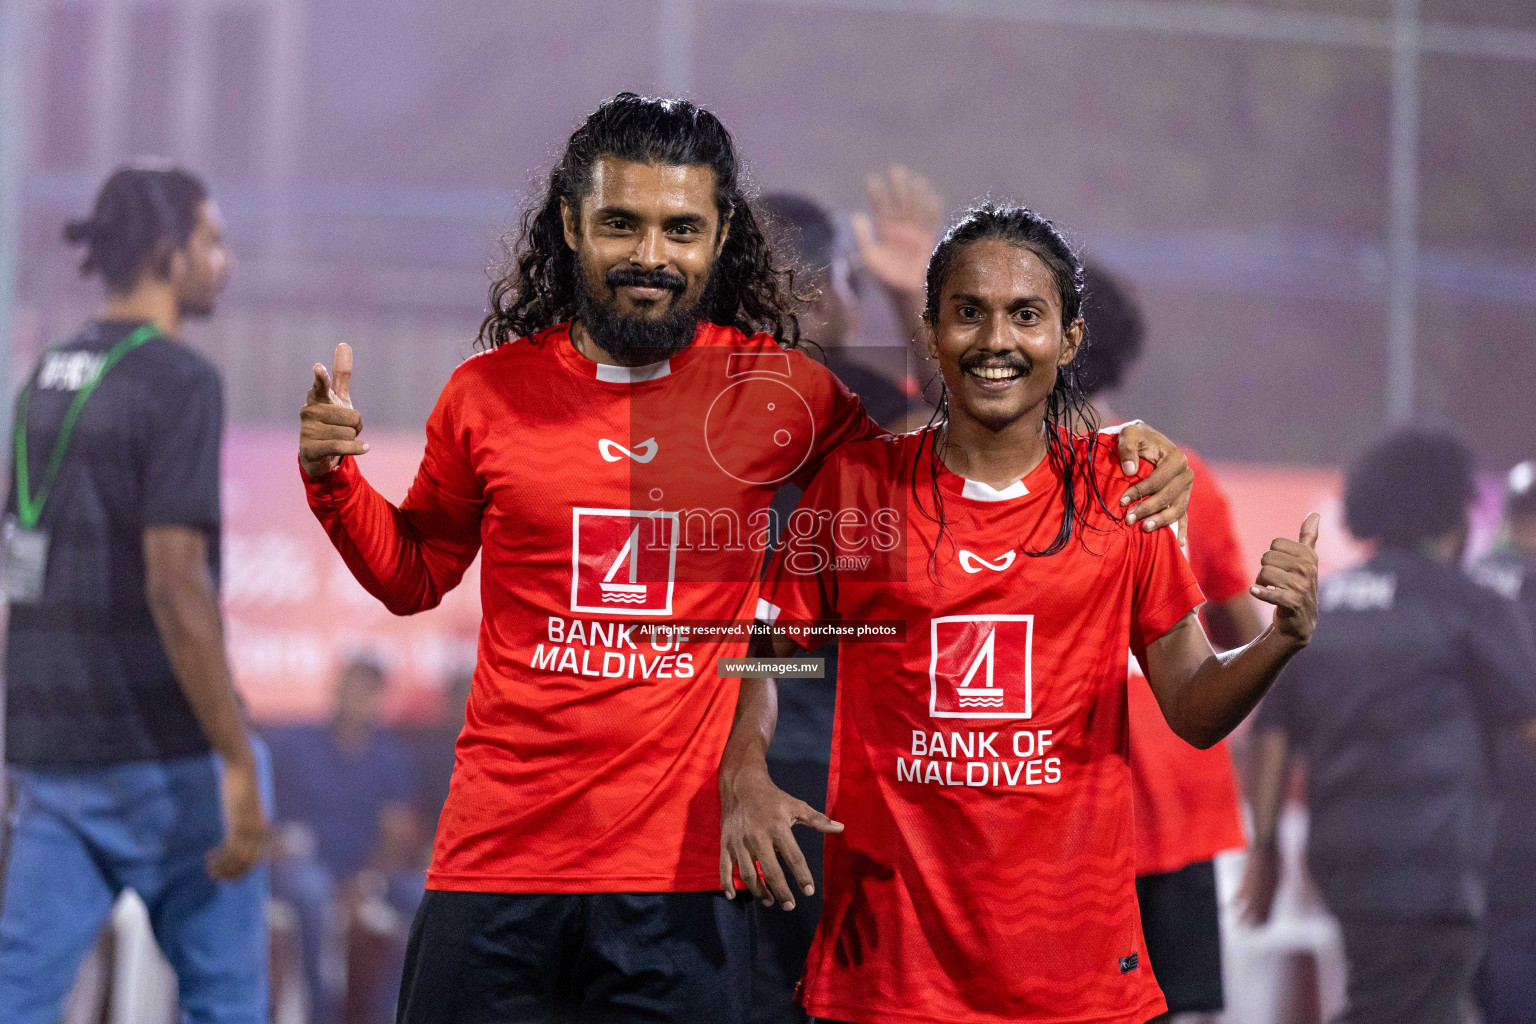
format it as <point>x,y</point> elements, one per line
<point>1410,486</point>
<point>1066,405</point>
<point>534,286</point>
<point>143,213</point>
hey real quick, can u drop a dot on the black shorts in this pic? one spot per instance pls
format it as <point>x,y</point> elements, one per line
<point>1180,920</point>
<point>604,958</point>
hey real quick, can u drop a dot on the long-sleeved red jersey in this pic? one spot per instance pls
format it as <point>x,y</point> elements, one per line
<point>604,499</point>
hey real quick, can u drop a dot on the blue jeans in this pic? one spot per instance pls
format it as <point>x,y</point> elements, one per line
<point>78,838</point>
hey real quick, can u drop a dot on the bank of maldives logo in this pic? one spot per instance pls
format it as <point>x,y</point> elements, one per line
<point>623,561</point>
<point>980,666</point>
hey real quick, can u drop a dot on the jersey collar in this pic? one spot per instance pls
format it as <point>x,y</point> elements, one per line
<point>565,348</point>
<point>976,490</point>
<point>1036,481</point>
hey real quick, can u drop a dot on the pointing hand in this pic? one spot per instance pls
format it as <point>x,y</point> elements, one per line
<point>328,425</point>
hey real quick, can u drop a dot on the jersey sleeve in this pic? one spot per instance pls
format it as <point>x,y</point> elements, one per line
<point>1165,587</point>
<point>1503,655</point>
<point>182,454</point>
<point>1215,555</point>
<point>410,557</point>
<point>801,581</point>
<point>838,414</point>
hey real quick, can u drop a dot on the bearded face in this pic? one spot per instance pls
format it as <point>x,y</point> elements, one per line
<point>645,331</point>
<point>646,240</point>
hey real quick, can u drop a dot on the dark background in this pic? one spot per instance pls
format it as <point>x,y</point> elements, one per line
<point>1232,159</point>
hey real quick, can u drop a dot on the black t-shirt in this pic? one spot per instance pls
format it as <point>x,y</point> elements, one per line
<point>1413,670</point>
<point>1512,881</point>
<point>87,678</point>
<point>885,402</point>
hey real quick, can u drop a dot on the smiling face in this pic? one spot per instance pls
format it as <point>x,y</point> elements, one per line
<point>997,334</point>
<point>646,238</point>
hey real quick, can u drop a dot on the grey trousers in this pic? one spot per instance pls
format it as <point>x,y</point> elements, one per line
<point>1409,971</point>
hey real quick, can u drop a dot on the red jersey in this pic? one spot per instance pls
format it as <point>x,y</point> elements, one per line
<point>1187,804</point>
<point>603,499</point>
<point>986,871</point>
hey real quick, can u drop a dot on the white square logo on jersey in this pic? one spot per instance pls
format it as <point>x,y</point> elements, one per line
<point>623,561</point>
<point>980,666</point>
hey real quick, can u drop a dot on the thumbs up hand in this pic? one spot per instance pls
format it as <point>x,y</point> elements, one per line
<point>328,425</point>
<point>1288,580</point>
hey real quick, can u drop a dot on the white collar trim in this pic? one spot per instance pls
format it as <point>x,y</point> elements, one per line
<point>978,491</point>
<point>633,374</point>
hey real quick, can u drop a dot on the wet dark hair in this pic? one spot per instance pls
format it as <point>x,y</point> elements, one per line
<point>1114,331</point>
<point>143,213</point>
<point>1066,405</point>
<point>802,228</point>
<point>535,286</point>
<point>1410,486</point>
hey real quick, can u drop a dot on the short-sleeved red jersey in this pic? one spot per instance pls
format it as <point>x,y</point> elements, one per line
<point>986,872</point>
<point>601,498</point>
<point>1187,804</point>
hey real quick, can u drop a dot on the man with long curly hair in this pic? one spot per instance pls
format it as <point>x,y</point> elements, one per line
<point>612,453</point>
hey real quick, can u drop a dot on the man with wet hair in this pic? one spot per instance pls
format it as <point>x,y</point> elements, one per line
<point>1414,671</point>
<point>131,761</point>
<point>981,867</point>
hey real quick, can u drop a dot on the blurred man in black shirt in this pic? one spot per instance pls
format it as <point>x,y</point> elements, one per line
<point>1507,984</point>
<point>131,763</point>
<point>1413,672</point>
<point>802,743</point>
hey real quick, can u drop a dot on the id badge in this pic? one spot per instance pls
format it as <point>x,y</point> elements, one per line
<point>26,563</point>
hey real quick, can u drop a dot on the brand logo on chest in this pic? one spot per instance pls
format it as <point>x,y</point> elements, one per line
<point>972,562</point>
<point>612,451</point>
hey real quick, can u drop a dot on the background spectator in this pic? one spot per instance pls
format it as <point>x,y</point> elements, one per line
<point>345,802</point>
<point>1412,673</point>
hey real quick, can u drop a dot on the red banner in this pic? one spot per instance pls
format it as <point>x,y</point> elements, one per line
<point>295,614</point>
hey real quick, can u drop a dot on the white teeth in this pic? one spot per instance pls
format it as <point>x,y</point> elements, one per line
<point>995,372</point>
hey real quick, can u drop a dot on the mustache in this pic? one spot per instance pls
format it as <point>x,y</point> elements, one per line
<point>996,360</point>
<point>634,277</point>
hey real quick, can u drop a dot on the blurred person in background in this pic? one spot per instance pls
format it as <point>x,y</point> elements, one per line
<point>1413,672</point>
<point>1187,803</point>
<point>345,794</point>
<point>799,757</point>
<point>806,235</point>
<point>576,868</point>
<point>1507,980</point>
<point>131,762</point>
<point>432,749</point>
<point>895,239</point>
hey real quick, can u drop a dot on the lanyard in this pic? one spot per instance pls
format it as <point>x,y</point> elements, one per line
<point>29,508</point>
